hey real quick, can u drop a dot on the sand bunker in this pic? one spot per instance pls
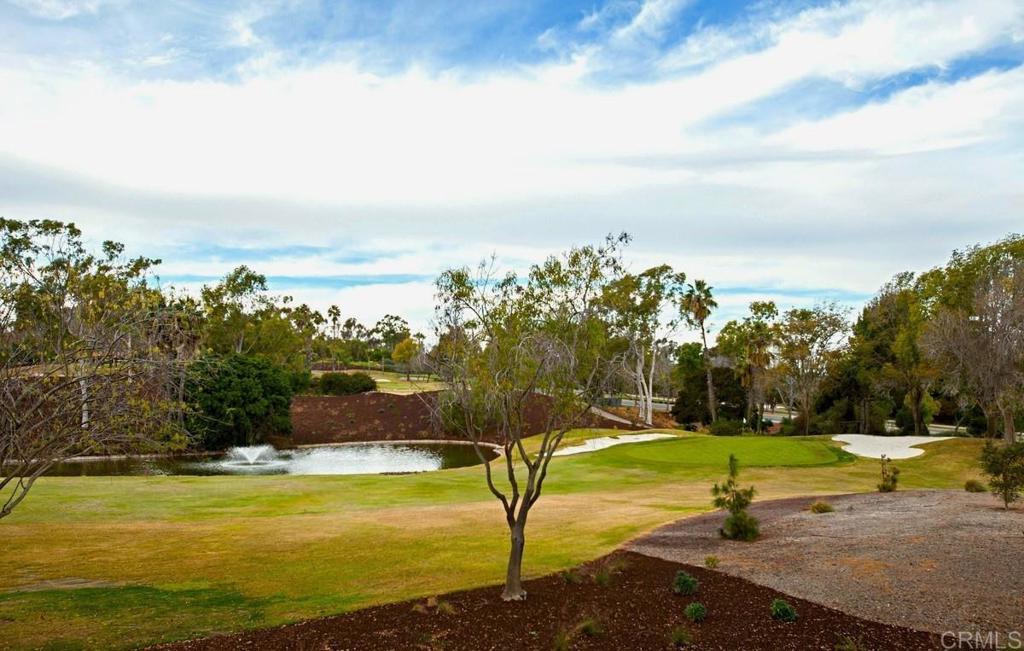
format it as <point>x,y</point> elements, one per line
<point>894,447</point>
<point>608,441</point>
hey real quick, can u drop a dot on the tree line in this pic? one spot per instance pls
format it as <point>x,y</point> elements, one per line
<point>944,345</point>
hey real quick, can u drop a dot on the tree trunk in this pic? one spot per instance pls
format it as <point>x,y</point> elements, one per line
<point>712,406</point>
<point>1009,427</point>
<point>650,389</point>
<point>806,409</point>
<point>915,410</point>
<point>513,577</point>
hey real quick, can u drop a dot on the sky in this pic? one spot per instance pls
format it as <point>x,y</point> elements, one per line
<point>352,150</point>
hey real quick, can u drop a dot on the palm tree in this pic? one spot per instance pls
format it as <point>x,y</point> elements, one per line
<point>334,313</point>
<point>696,306</point>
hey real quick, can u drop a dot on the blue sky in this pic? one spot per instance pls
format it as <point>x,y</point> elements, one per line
<point>352,150</point>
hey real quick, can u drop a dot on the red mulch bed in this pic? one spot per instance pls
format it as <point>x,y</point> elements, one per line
<point>387,417</point>
<point>635,609</point>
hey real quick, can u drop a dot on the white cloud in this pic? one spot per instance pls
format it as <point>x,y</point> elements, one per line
<point>61,9</point>
<point>533,159</point>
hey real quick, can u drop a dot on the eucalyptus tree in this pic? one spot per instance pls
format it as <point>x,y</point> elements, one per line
<point>810,339</point>
<point>233,308</point>
<point>696,305</point>
<point>89,354</point>
<point>636,303</point>
<point>509,342</point>
<point>981,350</point>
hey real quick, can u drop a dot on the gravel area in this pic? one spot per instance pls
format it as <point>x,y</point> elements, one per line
<point>929,560</point>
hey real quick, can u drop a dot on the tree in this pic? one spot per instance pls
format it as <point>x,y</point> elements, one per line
<point>405,352</point>
<point>809,340</point>
<point>750,346</point>
<point>237,400</point>
<point>1005,468</point>
<point>307,323</point>
<point>334,317</point>
<point>232,306</point>
<point>509,343</point>
<point>728,495</point>
<point>390,330</point>
<point>636,302</point>
<point>981,349</point>
<point>696,306</point>
<point>88,355</point>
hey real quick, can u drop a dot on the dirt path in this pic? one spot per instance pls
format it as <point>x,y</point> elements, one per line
<point>930,560</point>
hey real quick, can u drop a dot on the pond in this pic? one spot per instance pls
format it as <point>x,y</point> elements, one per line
<point>352,459</point>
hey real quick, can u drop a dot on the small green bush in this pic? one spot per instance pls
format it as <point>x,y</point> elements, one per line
<point>741,526</point>
<point>346,384</point>
<point>711,562</point>
<point>604,574</point>
<point>726,427</point>
<point>849,643</point>
<point>572,576</point>
<point>975,486</point>
<point>782,611</point>
<point>591,627</point>
<point>680,637</point>
<point>685,583</point>
<point>821,507</point>
<point>696,612</point>
<point>890,476</point>
<point>1004,465</point>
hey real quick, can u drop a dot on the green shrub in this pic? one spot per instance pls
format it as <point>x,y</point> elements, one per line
<point>975,486</point>
<point>696,612</point>
<point>726,427</point>
<point>849,643</point>
<point>1005,467</point>
<point>739,525</point>
<point>236,400</point>
<point>604,574</point>
<point>685,583</point>
<point>782,611</point>
<point>890,476</point>
<point>572,576</point>
<point>346,384</point>
<point>680,637</point>
<point>821,507</point>
<point>562,641</point>
<point>711,562</point>
<point>591,627</point>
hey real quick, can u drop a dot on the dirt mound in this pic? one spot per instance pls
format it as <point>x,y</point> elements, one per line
<point>389,417</point>
<point>633,609</point>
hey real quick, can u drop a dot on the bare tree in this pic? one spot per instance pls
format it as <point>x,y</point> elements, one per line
<point>87,361</point>
<point>519,343</point>
<point>981,352</point>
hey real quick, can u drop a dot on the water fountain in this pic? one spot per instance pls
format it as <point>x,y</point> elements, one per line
<point>252,455</point>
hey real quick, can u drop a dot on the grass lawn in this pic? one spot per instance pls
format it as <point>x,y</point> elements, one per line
<point>118,562</point>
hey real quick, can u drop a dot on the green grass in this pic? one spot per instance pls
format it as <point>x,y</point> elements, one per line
<point>118,562</point>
